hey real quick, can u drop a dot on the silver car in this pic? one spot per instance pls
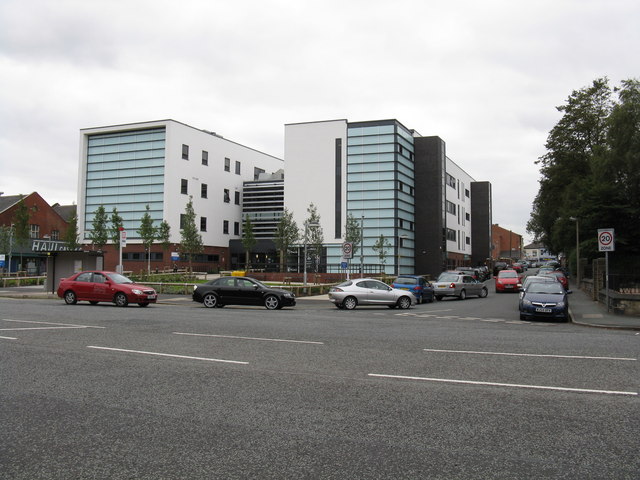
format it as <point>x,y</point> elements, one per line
<point>458,285</point>
<point>368,291</point>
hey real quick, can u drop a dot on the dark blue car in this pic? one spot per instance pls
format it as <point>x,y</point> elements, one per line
<point>547,301</point>
<point>416,284</point>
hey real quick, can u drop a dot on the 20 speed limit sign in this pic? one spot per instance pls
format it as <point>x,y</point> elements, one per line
<point>606,240</point>
<point>347,250</point>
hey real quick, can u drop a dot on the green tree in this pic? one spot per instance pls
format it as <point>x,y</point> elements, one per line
<point>70,236</point>
<point>191,240</point>
<point>314,237</point>
<point>148,233</point>
<point>21,227</point>
<point>248,240</point>
<point>287,234</point>
<point>353,232</point>
<point>5,238</point>
<point>116,227</point>
<point>99,234</point>
<point>164,235</point>
<point>381,247</point>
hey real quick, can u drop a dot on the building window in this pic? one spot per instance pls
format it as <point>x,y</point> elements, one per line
<point>227,165</point>
<point>468,217</point>
<point>451,235</point>
<point>227,198</point>
<point>205,157</point>
<point>236,228</point>
<point>184,186</point>
<point>55,235</point>
<point>451,207</point>
<point>466,192</point>
<point>225,227</point>
<point>203,224</point>
<point>237,167</point>
<point>185,152</point>
<point>468,241</point>
<point>450,180</point>
<point>203,190</point>
<point>34,231</point>
<point>237,198</point>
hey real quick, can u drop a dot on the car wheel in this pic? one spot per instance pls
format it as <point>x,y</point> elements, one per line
<point>143,304</point>
<point>210,300</point>
<point>404,302</point>
<point>121,300</point>
<point>70,298</point>
<point>484,292</point>
<point>463,295</point>
<point>350,303</point>
<point>93,302</point>
<point>271,302</point>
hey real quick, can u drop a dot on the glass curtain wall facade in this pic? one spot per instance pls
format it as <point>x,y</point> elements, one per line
<point>380,193</point>
<point>125,170</point>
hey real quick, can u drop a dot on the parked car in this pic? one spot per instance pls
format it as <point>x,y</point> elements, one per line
<point>474,272</point>
<point>499,266</point>
<point>517,267</point>
<point>458,285</point>
<point>547,300</point>
<point>241,291</point>
<point>508,281</point>
<point>562,278</point>
<point>528,280</point>
<point>369,291</point>
<point>416,284</point>
<point>103,286</point>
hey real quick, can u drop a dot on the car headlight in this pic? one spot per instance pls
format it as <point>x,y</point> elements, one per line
<point>560,304</point>
<point>526,303</point>
<point>136,291</point>
<point>288,295</point>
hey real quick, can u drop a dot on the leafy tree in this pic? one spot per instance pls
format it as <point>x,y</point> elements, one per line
<point>5,238</point>
<point>248,240</point>
<point>164,235</point>
<point>287,234</point>
<point>353,232</point>
<point>21,228</point>
<point>70,236</point>
<point>99,234</point>
<point>381,247</point>
<point>314,238</point>
<point>116,226</point>
<point>148,233</point>
<point>191,240</point>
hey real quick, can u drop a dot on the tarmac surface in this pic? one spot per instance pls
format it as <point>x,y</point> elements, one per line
<point>582,309</point>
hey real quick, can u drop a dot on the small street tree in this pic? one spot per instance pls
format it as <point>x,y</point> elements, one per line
<point>381,247</point>
<point>191,240</point>
<point>116,225</point>
<point>99,234</point>
<point>148,233</point>
<point>163,235</point>
<point>21,227</point>
<point>70,236</point>
<point>248,240</point>
<point>353,233</point>
<point>287,234</point>
<point>314,236</point>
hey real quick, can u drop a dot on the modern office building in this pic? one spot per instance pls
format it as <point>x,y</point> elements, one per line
<point>410,198</point>
<point>164,164</point>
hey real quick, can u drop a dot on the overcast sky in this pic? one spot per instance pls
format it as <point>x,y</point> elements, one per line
<point>485,76</point>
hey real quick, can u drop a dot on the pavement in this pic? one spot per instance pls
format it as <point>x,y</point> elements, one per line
<point>582,309</point>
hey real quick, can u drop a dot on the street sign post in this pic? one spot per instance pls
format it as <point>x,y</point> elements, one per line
<point>606,244</point>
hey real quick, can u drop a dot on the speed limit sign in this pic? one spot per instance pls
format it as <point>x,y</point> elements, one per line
<point>347,250</point>
<point>606,240</point>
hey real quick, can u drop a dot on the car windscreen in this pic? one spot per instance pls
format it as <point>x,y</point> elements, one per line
<point>406,280</point>
<point>348,283</point>
<point>448,277</point>
<point>504,274</point>
<point>546,287</point>
<point>117,278</point>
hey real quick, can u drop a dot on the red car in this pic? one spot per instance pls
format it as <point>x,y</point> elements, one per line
<point>562,278</point>
<point>98,286</point>
<point>508,281</point>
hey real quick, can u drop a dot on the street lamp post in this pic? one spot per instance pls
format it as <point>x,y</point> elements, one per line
<point>306,233</point>
<point>575,219</point>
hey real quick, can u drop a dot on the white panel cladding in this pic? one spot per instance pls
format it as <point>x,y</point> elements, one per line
<point>458,197</point>
<point>310,175</point>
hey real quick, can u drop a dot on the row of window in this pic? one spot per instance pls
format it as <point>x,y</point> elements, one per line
<point>203,225</point>
<point>158,257</point>
<point>184,189</point>
<point>205,159</point>
<point>34,232</point>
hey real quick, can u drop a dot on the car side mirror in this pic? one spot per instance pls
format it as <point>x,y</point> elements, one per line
<point>255,287</point>
<point>568,291</point>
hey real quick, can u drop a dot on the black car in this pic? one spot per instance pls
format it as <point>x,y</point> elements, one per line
<point>241,291</point>
<point>499,266</point>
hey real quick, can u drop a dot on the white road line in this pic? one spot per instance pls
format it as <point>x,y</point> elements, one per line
<point>167,355</point>
<point>249,338</point>
<point>41,328</point>
<point>49,323</point>
<point>529,355</point>
<point>513,385</point>
<point>8,338</point>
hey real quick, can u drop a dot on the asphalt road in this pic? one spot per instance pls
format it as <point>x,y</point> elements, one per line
<point>452,389</point>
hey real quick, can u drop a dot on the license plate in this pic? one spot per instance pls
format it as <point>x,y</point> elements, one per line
<point>543,310</point>
<point>442,286</point>
<point>151,297</point>
<point>508,286</point>
<point>403,288</point>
